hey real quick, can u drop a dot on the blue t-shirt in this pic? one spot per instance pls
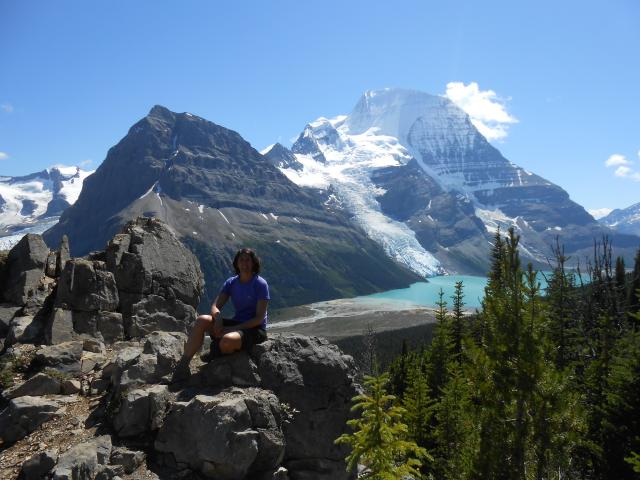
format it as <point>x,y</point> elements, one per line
<point>245,296</point>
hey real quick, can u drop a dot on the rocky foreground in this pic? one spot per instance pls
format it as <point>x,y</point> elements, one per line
<point>89,346</point>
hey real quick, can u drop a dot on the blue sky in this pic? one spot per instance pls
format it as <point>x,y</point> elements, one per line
<point>74,76</point>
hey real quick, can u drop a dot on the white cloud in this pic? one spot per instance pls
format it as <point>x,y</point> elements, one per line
<point>7,107</point>
<point>86,162</point>
<point>487,111</point>
<point>624,167</point>
<point>623,171</point>
<point>4,156</point>
<point>599,212</point>
<point>617,159</point>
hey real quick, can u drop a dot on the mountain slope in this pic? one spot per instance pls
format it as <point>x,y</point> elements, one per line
<point>220,194</point>
<point>421,180</point>
<point>625,220</point>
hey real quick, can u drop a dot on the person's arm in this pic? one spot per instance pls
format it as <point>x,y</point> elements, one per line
<point>261,311</point>
<point>217,305</point>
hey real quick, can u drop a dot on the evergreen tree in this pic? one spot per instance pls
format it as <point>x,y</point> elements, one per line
<point>526,408</point>
<point>418,403</point>
<point>456,438</point>
<point>633,300</point>
<point>380,438</point>
<point>562,299</point>
<point>621,412</point>
<point>440,351</point>
<point>458,330</point>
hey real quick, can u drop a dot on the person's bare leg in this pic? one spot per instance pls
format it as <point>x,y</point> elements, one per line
<point>196,337</point>
<point>231,342</point>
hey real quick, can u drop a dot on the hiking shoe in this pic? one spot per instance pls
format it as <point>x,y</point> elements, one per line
<point>182,371</point>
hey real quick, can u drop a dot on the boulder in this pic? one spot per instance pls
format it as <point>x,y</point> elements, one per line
<point>50,266</point>
<point>316,380</point>
<point>24,330</point>
<point>36,467</point>
<point>141,411</point>
<point>223,437</point>
<point>156,363</point>
<point>123,359</point>
<point>89,361</point>
<point>82,461</point>
<point>70,386</point>
<point>105,326</point>
<point>64,357</point>
<point>88,286</point>
<point>93,345</point>
<point>154,261</point>
<point>63,256</point>
<point>7,312</point>
<point>130,460</point>
<point>39,384</point>
<point>23,415</point>
<point>230,370</point>
<point>154,312</point>
<point>24,269</point>
<point>60,328</point>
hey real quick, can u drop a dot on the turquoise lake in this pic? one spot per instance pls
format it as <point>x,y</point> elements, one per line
<point>426,293</point>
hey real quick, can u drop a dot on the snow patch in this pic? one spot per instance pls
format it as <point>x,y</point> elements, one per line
<point>225,218</point>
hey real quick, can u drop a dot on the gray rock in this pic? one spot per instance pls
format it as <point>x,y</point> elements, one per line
<point>130,460</point>
<point>237,370</point>
<point>141,411</point>
<point>156,364</point>
<point>108,472</point>
<point>93,345</point>
<point>87,285</point>
<point>64,357</point>
<point>110,326</point>
<point>121,362</point>
<point>60,329</point>
<point>218,436</point>
<point>105,326</point>
<point>39,384</point>
<point>36,467</point>
<point>71,386</point>
<point>24,269</point>
<point>115,249</point>
<point>317,469</point>
<point>24,330</point>
<point>315,379</point>
<point>63,255</point>
<point>7,312</point>
<point>23,415</point>
<point>81,462</point>
<point>98,386</point>
<point>90,361</point>
<point>156,262</point>
<point>50,267</point>
<point>158,313</point>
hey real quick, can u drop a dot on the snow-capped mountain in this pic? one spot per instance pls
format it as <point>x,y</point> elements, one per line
<point>33,203</point>
<point>219,194</point>
<point>421,180</point>
<point>625,220</point>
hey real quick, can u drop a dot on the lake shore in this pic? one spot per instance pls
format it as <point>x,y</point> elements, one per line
<point>345,318</point>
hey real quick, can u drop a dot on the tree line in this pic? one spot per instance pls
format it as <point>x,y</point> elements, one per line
<point>538,384</point>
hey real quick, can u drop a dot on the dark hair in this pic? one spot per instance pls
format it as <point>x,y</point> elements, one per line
<point>254,259</point>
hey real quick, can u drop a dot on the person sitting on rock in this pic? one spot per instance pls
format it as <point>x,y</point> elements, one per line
<point>249,293</point>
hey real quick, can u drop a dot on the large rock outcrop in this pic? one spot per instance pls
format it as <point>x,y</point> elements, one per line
<point>114,325</point>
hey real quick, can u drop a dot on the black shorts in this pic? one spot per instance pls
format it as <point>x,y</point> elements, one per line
<point>250,336</point>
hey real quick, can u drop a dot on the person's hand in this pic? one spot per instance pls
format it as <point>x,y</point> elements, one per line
<point>218,327</point>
